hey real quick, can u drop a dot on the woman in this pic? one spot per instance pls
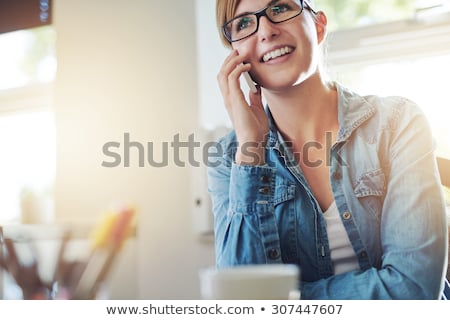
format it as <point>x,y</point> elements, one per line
<point>344,186</point>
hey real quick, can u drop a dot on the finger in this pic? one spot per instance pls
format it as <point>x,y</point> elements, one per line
<point>233,95</point>
<point>234,81</point>
<point>229,65</point>
<point>234,53</point>
<point>256,98</point>
<point>233,59</point>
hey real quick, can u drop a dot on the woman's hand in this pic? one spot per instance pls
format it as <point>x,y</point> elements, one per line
<point>249,121</point>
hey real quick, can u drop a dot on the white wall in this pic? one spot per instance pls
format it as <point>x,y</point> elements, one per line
<point>130,66</point>
<point>211,54</point>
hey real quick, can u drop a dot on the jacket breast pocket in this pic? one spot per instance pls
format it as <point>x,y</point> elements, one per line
<point>284,190</point>
<point>370,189</point>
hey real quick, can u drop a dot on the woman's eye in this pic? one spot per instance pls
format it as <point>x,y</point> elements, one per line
<point>244,23</point>
<point>281,8</point>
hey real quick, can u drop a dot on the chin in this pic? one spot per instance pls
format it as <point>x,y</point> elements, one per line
<point>282,84</point>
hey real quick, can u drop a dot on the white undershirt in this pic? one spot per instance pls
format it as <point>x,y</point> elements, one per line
<point>342,253</point>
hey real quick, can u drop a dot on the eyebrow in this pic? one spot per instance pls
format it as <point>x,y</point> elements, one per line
<point>271,3</point>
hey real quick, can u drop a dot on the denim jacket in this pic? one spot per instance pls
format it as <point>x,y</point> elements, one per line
<point>386,186</point>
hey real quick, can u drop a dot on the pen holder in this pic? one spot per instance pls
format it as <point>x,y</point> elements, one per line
<point>53,262</point>
<point>45,262</point>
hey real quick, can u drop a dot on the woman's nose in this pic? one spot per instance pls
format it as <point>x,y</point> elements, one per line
<point>267,29</point>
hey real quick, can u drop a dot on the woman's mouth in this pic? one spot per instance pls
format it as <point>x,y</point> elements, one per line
<point>277,53</point>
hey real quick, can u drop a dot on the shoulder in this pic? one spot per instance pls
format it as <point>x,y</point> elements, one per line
<point>397,112</point>
<point>394,106</point>
<point>387,112</point>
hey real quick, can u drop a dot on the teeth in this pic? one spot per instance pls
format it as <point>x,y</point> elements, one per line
<point>276,53</point>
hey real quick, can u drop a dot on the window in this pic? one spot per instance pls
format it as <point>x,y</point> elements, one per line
<point>27,129</point>
<point>344,15</point>
<point>27,57</point>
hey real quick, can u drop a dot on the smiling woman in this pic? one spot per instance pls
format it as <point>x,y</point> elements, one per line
<point>344,214</point>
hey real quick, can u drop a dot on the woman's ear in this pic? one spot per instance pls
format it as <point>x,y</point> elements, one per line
<point>321,25</point>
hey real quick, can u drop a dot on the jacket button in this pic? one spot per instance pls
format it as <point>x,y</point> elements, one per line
<point>346,215</point>
<point>264,190</point>
<point>363,254</point>
<point>274,254</point>
<point>265,179</point>
<point>337,175</point>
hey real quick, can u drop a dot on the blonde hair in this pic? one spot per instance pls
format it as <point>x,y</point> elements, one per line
<point>225,11</point>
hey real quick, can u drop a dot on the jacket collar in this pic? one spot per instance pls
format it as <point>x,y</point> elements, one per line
<point>353,111</point>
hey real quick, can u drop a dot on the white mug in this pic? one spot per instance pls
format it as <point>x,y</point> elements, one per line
<point>250,282</point>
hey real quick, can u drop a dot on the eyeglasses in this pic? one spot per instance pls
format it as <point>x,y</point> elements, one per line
<point>277,11</point>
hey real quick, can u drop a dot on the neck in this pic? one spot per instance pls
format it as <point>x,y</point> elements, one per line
<point>306,111</point>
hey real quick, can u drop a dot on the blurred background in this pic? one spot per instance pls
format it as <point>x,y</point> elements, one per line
<point>76,76</point>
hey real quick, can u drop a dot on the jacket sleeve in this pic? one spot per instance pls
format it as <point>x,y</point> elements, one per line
<point>243,205</point>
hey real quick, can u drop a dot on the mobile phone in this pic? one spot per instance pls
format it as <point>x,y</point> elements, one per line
<point>250,82</point>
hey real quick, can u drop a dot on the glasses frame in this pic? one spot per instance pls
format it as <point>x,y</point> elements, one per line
<point>263,13</point>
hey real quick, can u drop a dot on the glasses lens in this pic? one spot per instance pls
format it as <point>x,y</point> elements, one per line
<point>241,27</point>
<point>284,10</point>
